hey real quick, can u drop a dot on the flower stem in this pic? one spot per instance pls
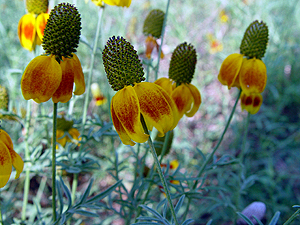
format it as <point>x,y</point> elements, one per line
<point>209,158</point>
<point>160,173</point>
<point>89,80</point>
<point>54,161</point>
<point>162,39</point>
<point>1,219</point>
<point>292,218</point>
<point>27,160</point>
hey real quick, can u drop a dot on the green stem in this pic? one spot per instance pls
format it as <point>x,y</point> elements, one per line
<point>164,149</point>
<point>292,218</point>
<point>209,158</point>
<point>1,219</point>
<point>74,188</point>
<point>54,161</point>
<point>89,80</point>
<point>162,39</point>
<point>27,160</point>
<point>160,173</point>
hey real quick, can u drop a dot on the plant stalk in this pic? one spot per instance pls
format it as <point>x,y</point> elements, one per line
<point>54,161</point>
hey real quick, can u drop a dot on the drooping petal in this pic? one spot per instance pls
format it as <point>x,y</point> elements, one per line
<point>41,22</point>
<point>125,112</point>
<point>5,164</point>
<point>253,76</point>
<point>74,133</point>
<point>155,106</point>
<point>16,160</point>
<point>118,2</point>
<point>230,69</point>
<point>41,78</point>
<point>61,138</point>
<point>196,100</point>
<point>27,31</point>
<point>78,76</point>
<point>251,103</point>
<point>64,92</point>
<point>183,99</point>
<point>166,84</point>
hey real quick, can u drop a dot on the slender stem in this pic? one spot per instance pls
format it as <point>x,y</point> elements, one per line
<point>89,80</point>
<point>209,158</point>
<point>165,145</point>
<point>54,161</point>
<point>292,218</point>
<point>74,186</point>
<point>1,219</point>
<point>160,173</point>
<point>27,160</point>
<point>162,39</point>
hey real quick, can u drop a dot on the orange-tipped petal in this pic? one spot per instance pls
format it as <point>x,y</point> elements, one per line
<point>230,69</point>
<point>183,99</point>
<point>166,84</point>
<point>118,2</point>
<point>252,102</point>
<point>78,76</point>
<point>27,31</point>
<point>155,106</point>
<point>253,76</point>
<point>64,91</point>
<point>5,164</point>
<point>196,100</point>
<point>126,116</point>
<point>41,78</point>
<point>41,22</point>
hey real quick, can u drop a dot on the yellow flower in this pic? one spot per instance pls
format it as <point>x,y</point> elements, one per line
<point>31,30</point>
<point>251,103</point>
<point>215,45</point>
<point>72,135</point>
<point>44,78</point>
<point>99,98</point>
<point>146,99</point>
<point>8,158</point>
<point>223,16</point>
<point>121,3</point>
<point>186,96</point>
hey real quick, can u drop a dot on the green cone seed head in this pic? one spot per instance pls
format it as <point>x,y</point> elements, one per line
<point>183,63</point>
<point>121,63</point>
<point>3,98</point>
<point>62,32</point>
<point>63,124</point>
<point>37,6</point>
<point>153,23</point>
<point>255,40</point>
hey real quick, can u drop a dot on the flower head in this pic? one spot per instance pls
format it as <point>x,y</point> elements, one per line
<point>246,70</point>
<point>53,75</point>
<point>99,98</point>
<point>31,26</point>
<point>8,158</point>
<point>134,97</point>
<point>121,3</point>
<point>66,132</point>
<point>182,67</point>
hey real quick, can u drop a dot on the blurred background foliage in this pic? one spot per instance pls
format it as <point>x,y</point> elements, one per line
<point>215,28</point>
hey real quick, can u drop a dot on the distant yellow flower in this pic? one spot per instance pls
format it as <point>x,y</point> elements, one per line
<point>151,43</point>
<point>121,3</point>
<point>223,16</point>
<point>72,135</point>
<point>31,26</point>
<point>99,98</point>
<point>215,45</point>
<point>8,158</point>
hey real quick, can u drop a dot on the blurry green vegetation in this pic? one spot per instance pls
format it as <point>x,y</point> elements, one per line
<point>272,161</point>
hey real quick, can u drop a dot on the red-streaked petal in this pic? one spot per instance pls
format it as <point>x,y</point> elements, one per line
<point>64,91</point>
<point>196,100</point>
<point>78,76</point>
<point>41,78</point>
<point>230,69</point>
<point>155,107</point>
<point>126,115</point>
<point>41,22</point>
<point>27,31</point>
<point>5,164</point>
<point>253,76</point>
<point>16,160</point>
<point>183,99</point>
<point>251,103</point>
